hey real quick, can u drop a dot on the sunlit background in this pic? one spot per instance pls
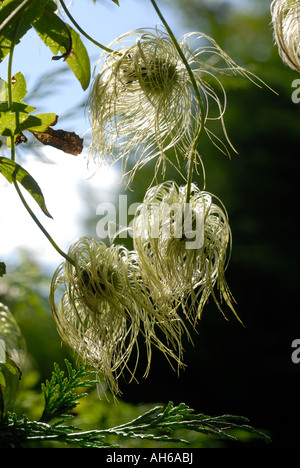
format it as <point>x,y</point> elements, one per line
<point>230,369</point>
<point>64,178</point>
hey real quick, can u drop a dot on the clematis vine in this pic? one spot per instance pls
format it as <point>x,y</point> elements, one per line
<point>152,94</point>
<point>101,307</point>
<point>183,248</point>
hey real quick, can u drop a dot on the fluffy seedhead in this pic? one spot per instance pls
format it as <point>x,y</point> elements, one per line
<point>143,100</point>
<point>104,306</point>
<point>286,24</point>
<point>183,248</point>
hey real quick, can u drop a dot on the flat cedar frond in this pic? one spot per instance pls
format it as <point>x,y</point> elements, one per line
<point>60,393</point>
<point>159,424</point>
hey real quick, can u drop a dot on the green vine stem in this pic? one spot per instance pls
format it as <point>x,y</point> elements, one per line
<point>13,153</point>
<point>81,30</point>
<point>198,96</point>
<point>35,219</point>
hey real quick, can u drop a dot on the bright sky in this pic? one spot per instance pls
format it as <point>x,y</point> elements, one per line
<point>63,182</point>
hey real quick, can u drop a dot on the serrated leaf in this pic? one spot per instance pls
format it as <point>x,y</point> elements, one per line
<point>45,121</point>
<point>17,119</point>
<point>19,89</point>
<point>13,171</point>
<point>16,18</point>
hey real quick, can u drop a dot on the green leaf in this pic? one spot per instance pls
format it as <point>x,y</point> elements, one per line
<point>2,269</point>
<point>19,118</point>
<point>19,89</point>
<point>13,171</point>
<point>61,38</point>
<point>16,18</point>
<point>78,60</point>
<point>160,424</point>
<point>13,121</point>
<point>45,121</point>
<point>53,31</point>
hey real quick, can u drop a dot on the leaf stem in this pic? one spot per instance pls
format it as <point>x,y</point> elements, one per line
<point>9,76</point>
<point>82,30</point>
<point>13,153</point>
<point>198,97</point>
<point>45,232</point>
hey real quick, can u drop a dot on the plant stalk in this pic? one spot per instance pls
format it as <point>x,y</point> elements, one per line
<point>82,30</point>
<point>198,96</point>
<point>13,157</point>
<point>37,222</point>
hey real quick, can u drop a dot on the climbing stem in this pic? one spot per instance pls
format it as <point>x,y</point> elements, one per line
<point>9,74</point>
<point>13,157</point>
<point>91,39</point>
<point>9,78</point>
<point>35,219</point>
<point>192,154</point>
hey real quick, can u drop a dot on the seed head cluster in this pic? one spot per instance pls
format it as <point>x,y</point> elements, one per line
<point>183,248</point>
<point>143,101</point>
<point>104,306</point>
<point>151,94</point>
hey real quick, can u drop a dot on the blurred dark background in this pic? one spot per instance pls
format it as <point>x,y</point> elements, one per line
<point>231,369</point>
